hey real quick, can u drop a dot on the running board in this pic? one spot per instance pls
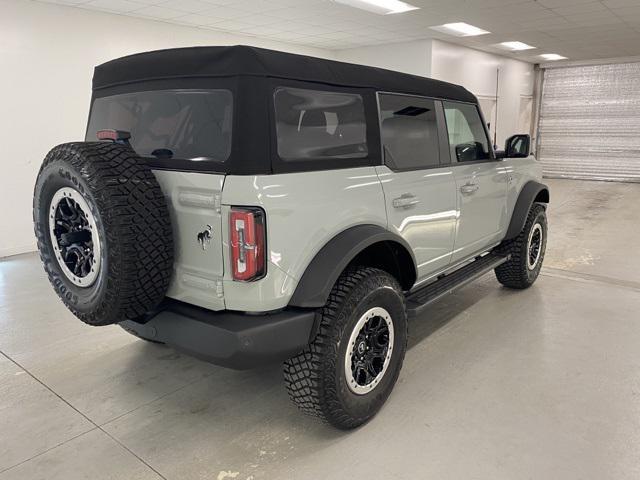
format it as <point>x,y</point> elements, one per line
<point>417,301</point>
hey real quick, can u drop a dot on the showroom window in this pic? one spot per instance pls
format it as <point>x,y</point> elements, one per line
<point>467,137</point>
<point>317,125</point>
<point>409,130</point>
<point>182,124</point>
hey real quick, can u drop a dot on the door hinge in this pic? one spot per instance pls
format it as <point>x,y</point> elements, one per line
<point>219,289</point>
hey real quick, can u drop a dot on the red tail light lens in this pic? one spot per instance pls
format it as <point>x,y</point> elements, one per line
<point>247,234</point>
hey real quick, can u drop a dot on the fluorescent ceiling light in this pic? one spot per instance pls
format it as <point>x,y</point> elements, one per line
<point>381,7</point>
<point>516,46</point>
<point>552,56</point>
<point>460,29</point>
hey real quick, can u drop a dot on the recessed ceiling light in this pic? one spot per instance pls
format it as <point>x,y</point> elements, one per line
<point>515,46</point>
<point>382,7</point>
<point>460,29</point>
<point>552,56</point>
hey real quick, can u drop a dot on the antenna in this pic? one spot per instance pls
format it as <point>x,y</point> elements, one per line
<point>495,124</point>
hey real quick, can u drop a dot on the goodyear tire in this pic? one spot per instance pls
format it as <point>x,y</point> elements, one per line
<point>527,252</point>
<point>347,373</point>
<point>103,231</point>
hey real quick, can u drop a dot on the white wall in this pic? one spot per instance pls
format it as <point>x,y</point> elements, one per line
<point>476,71</point>
<point>409,57</point>
<point>47,55</point>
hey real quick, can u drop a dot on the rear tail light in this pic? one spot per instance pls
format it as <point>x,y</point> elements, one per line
<point>247,234</point>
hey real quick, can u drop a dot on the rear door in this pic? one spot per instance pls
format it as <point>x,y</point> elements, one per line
<point>194,206</point>
<point>419,188</point>
<point>181,133</point>
<point>481,181</point>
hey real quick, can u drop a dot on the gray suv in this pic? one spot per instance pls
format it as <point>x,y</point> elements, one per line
<point>249,206</point>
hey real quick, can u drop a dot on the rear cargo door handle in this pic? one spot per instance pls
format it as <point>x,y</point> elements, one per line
<point>405,200</point>
<point>469,188</point>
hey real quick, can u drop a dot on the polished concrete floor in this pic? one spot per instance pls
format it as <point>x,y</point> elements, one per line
<point>497,384</point>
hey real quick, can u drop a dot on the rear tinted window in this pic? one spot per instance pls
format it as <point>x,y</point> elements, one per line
<point>316,125</point>
<point>184,124</point>
<point>409,132</point>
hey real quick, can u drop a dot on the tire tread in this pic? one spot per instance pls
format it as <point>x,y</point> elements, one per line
<point>513,273</point>
<point>309,375</point>
<point>136,222</point>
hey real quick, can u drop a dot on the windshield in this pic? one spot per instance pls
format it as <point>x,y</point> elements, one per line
<point>182,124</point>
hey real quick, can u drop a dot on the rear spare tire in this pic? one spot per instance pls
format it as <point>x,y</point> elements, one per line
<point>103,231</point>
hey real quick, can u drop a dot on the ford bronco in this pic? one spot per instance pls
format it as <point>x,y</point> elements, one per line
<point>250,206</point>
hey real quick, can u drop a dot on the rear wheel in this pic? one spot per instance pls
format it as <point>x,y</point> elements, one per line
<point>346,374</point>
<point>527,252</point>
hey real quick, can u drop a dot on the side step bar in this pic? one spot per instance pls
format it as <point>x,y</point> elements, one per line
<point>417,301</point>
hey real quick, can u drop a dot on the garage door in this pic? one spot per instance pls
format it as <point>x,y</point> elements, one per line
<point>590,122</point>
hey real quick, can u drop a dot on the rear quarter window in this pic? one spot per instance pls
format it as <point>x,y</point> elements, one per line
<point>317,125</point>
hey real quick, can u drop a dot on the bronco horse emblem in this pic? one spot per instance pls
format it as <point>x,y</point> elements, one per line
<point>204,237</point>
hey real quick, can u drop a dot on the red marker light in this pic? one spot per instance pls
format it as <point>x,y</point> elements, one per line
<point>113,135</point>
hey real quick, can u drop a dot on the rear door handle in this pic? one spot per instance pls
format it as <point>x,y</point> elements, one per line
<point>469,188</point>
<point>405,200</point>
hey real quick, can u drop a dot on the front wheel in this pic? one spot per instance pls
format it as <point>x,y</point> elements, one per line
<point>527,252</point>
<point>346,374</point>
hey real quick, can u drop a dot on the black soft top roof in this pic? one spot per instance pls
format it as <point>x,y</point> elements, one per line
<point>240,60</point>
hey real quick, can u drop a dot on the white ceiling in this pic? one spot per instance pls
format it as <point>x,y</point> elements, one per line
<point>578,29</point>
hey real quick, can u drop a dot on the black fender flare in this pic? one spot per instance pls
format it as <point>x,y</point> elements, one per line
<point>323,271</point>
<point>531,192</point>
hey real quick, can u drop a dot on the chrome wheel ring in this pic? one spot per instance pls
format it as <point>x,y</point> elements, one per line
<point>369,351</point>
<point>534,246</point>
<point>74,237</point>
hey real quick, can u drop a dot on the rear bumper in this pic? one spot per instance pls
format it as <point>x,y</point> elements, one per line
<point>230,339</point>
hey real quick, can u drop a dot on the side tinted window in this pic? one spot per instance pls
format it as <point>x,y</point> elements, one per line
<point>316,125</point>
<point>409,131</point>
<point>467,137</point>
